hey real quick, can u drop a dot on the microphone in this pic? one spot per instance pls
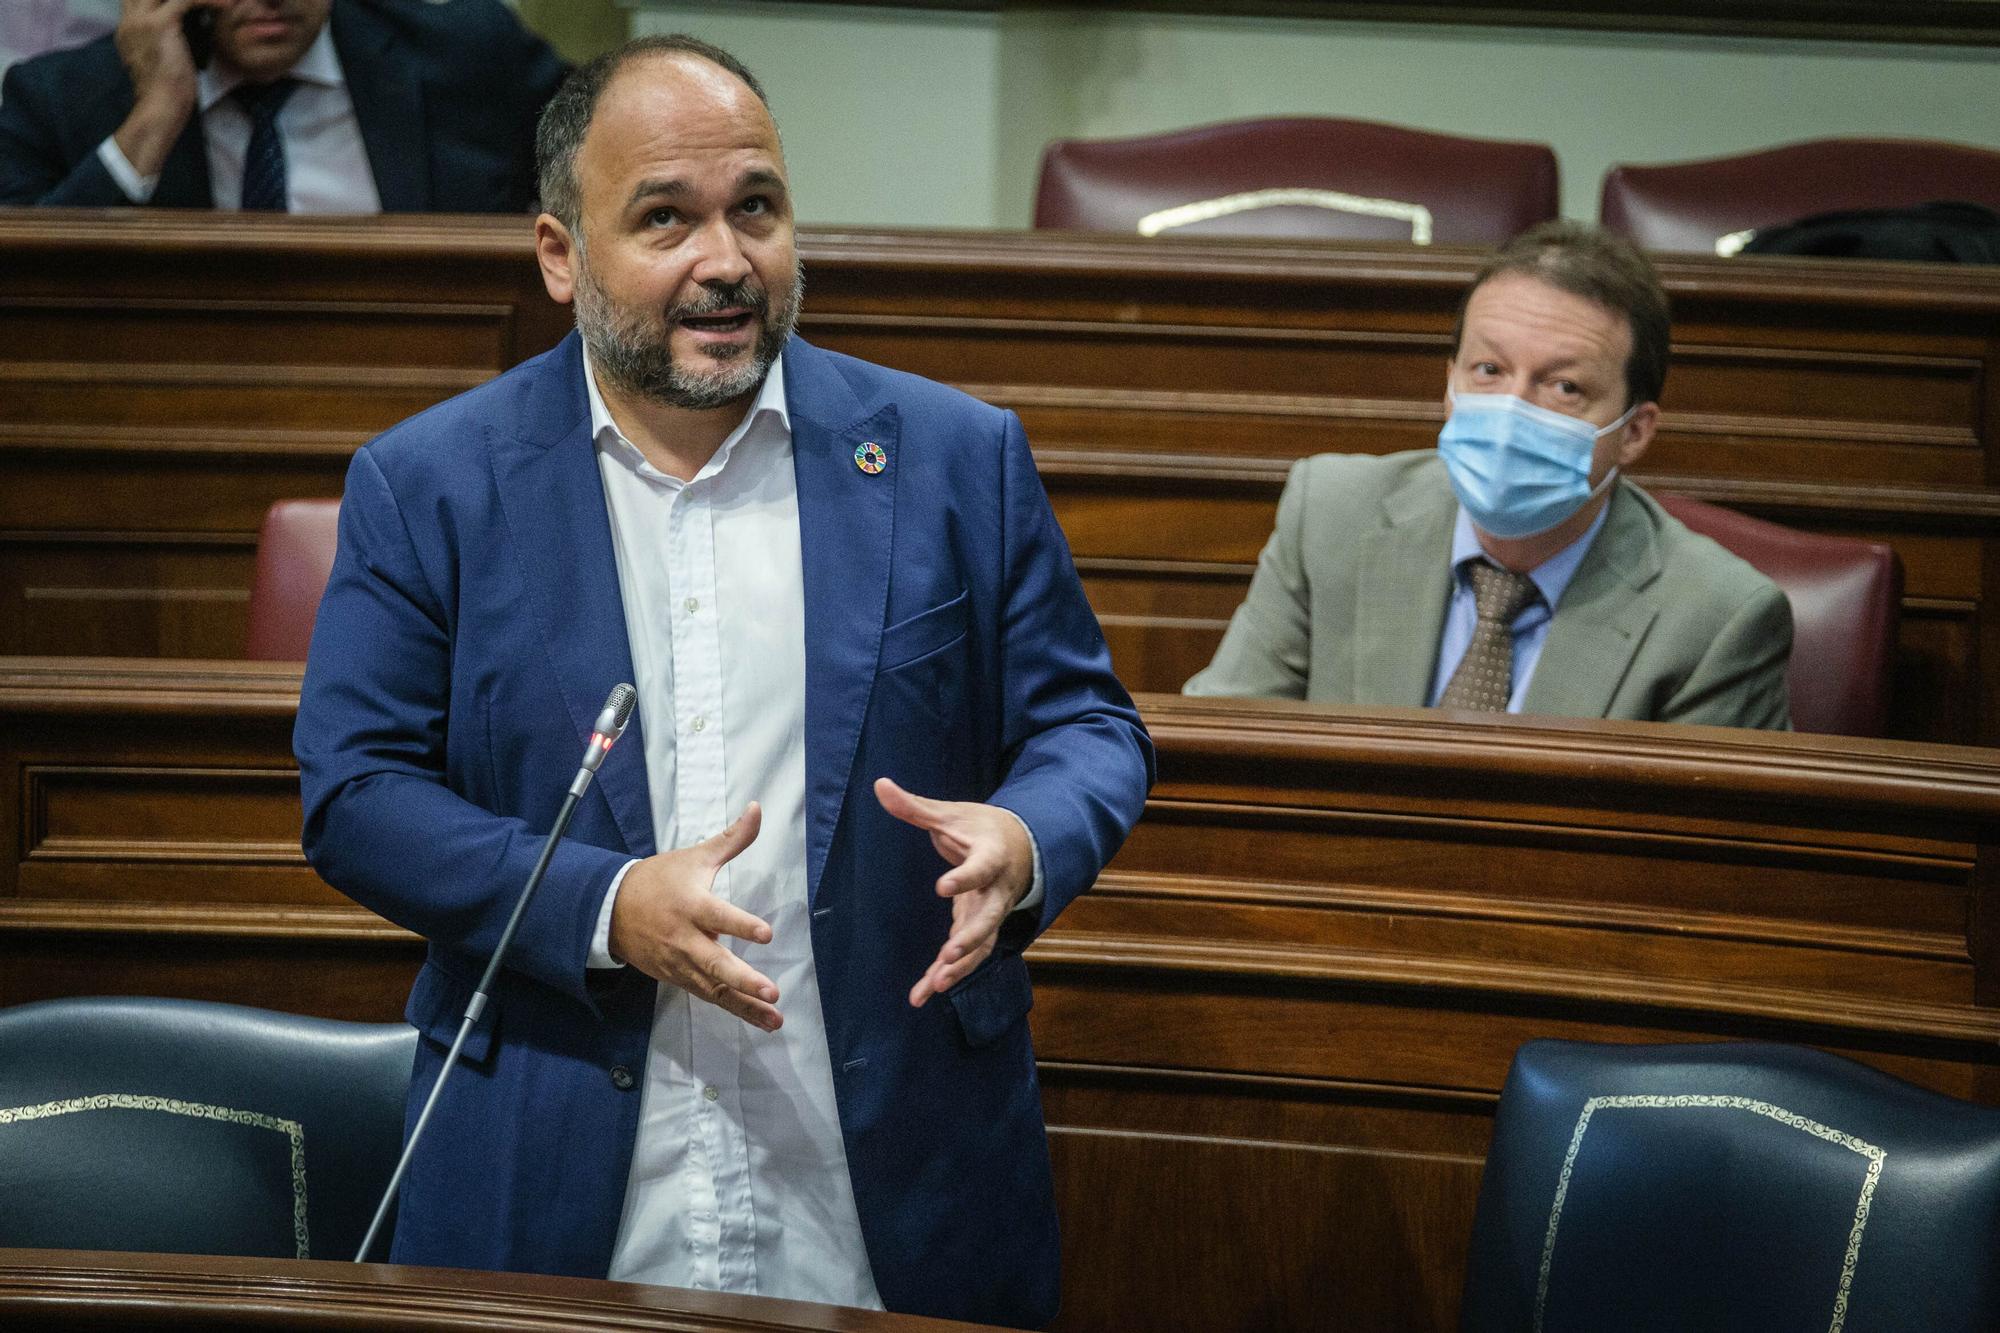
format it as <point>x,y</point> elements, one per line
<point>611,720</point>
<point>610,725</point>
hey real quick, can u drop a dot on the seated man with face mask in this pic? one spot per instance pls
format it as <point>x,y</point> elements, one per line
<point>1513,568</point>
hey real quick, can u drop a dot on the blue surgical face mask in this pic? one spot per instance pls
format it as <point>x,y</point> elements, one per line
<point>1520,469</point>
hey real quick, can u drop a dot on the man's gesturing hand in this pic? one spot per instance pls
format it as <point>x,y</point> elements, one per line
<point>993,864</point>
<point>666,922</point>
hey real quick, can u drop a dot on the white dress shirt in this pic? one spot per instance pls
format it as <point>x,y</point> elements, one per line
<point>739,1174</point>
<point>326,163</point>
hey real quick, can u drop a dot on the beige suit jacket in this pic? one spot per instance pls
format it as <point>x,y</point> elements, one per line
<point>1349,599</point>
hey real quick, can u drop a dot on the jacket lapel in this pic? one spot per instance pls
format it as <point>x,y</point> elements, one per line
<point>846,526</point>
<point>1602,619</point>
<point>184,175</point>
<point>553,502</point>
<point>1405,582</point>
<point>388,106</point>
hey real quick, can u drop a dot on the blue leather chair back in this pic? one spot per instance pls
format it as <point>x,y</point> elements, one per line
<point>1736,1186</point>
<point>195,1128</point>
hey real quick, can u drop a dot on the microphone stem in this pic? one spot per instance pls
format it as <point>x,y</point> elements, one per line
<point>478,1004</point>
<point>475,1008</point>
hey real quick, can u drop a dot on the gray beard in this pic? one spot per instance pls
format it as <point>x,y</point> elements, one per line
<point>627,349</point>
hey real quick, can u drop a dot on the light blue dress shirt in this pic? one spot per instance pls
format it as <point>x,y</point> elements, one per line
<point>1530,628</point>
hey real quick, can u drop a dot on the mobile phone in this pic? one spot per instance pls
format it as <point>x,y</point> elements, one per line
<point>198,26</point>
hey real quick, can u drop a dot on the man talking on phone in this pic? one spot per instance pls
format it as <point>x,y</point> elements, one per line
<point>306,106</point>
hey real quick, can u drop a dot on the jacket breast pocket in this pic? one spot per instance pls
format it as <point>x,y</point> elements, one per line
<point>927,632</point>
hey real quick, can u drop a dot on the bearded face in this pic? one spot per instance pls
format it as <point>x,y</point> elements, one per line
<point>633,346</point>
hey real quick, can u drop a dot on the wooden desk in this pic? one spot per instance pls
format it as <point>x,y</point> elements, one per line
<point>1272,1037</point>
<point>92,1290</point>
<point>163,378</point>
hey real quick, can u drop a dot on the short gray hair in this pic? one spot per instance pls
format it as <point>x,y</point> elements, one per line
<point>566,119</point>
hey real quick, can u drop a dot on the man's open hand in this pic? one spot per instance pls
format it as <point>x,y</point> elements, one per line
<point>667,922</point>
<point>993,865</point>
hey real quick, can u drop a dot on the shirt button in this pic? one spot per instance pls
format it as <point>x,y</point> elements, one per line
<point>693,605</point>
<point>710,1092</point>
<point>621,1078</point>
<point>699,724</point>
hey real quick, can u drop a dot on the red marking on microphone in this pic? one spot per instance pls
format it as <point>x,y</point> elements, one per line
<point>606,741</point>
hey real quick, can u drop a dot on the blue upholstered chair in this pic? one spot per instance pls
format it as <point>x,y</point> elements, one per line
<point>195,1128</point>
<point>1736,1186</point>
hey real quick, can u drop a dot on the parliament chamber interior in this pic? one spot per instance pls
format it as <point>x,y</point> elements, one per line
<point>1381,1018</point>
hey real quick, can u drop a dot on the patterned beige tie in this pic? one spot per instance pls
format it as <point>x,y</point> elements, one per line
<point>1484,680</point>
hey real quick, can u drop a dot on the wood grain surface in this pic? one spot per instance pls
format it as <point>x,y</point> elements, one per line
<point>94,1290</point>
<point>1272,1037</point>
<point>164,378</point>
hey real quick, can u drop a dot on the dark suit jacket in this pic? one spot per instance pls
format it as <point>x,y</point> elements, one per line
<point>446,97</point>
<point>470,631</point>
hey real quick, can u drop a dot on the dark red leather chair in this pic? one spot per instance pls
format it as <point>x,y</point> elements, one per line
<point>1305,177</point>
<point>1689,206</point>
<point>294,558</point>
<point>1846,597</point>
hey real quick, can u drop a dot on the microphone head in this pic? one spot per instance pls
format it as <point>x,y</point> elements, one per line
<point>617,712</point>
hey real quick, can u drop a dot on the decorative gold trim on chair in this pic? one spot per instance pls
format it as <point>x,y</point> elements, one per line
<point>1182,215</point>
<point>1875,1156</point>
<point>126,1101</point>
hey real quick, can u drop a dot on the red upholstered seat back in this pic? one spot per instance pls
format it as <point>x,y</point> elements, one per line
<point>1846,598</point>
<point>1687,206</point>
<point>294,558</point>
<point>1475,191</point>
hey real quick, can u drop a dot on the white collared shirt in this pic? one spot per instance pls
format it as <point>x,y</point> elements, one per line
<point>326,163</point>
<point>739,1175</point>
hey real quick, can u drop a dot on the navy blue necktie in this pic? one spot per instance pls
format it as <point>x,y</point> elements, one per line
<point>264,163</point>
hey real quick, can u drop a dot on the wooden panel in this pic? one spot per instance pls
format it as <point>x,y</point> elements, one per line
<point>1273,1035</point>
<point>132,833</point>
<point>223,332</point>
<point>164,377</point>
<point>152,847</point>
<point>178,596</point>
<point>96,1291</point>
<point>1165,1165</point>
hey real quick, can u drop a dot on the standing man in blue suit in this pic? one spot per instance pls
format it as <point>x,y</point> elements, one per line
<point>305,106</point>
<point>764,1028</point>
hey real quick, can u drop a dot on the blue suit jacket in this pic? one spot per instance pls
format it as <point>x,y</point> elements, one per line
<point>446,97</point>
<point>469,634</point>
